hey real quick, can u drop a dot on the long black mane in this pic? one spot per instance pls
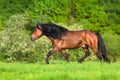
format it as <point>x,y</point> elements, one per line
<point>53,30</point>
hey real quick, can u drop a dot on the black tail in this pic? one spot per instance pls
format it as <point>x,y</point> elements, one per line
<point>102,48</point>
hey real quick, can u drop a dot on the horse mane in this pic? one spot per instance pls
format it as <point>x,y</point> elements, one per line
<point>53,30</point>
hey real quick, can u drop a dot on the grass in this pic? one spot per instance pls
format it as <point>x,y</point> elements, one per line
<point>60,70</point>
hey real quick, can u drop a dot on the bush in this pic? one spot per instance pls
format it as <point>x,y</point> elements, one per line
<point>112,44</point>
<point>12,40</point>
<point>15,41</point>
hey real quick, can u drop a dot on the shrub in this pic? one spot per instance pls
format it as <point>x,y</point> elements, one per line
<point>12,37</point>
<point>15,41</point>
<point>112,44</point>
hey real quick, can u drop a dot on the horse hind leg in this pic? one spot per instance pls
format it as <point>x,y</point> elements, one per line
<point>101,56</point>
<point>105,58</point>
<point>87,53</point>
<point>96,51</point>
<point>66,56</point>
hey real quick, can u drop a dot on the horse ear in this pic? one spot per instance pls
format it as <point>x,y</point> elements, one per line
<point>39,26</point>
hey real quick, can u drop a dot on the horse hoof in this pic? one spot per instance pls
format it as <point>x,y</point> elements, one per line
<point>79,62</point>
<point>47,62</point>
<point>108,61</point>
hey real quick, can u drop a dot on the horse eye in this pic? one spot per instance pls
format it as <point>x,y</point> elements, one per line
<point>35,29</point>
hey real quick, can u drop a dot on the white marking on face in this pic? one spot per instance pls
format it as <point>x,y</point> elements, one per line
<point>83,46</point>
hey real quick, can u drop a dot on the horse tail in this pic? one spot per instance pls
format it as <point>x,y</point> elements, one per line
<point>102,47</point>
<point>101,44</point>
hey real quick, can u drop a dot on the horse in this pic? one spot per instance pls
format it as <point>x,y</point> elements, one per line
<point>63,39</point>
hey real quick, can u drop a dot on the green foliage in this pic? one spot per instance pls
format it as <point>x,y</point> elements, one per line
<point>10,7</point>
<point>98,13</point>
<point>1,23</point>
<point>91,15</point>
<point>53,9</point>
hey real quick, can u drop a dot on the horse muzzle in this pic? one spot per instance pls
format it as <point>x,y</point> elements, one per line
<point>32,39</point>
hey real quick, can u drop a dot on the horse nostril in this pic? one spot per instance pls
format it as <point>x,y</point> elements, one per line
<point>32,39</point>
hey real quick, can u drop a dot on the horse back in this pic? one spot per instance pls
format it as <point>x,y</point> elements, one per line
<point>75,39</point>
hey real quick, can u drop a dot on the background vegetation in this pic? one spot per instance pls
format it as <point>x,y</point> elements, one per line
<point>18,19</point>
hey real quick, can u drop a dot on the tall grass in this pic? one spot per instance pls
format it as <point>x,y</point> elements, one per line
<point>59,70</point>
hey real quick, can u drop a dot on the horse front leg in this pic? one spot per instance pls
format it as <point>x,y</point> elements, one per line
<point>65,55</point>
<point>48,55</point>
<point>54,50</point>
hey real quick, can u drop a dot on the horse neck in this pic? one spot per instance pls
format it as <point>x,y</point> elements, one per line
<point>50,38</point>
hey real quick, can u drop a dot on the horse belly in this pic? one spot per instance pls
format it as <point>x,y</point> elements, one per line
<point>72,43</point>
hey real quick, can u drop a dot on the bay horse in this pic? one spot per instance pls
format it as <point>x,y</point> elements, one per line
<point>63,39</point>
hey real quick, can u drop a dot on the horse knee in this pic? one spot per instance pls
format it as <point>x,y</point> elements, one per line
<point>49,53</point>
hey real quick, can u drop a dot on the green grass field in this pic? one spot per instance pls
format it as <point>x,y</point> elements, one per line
<point>60,70</point>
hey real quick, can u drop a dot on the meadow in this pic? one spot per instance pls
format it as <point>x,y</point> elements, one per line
<point>60,70</point>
